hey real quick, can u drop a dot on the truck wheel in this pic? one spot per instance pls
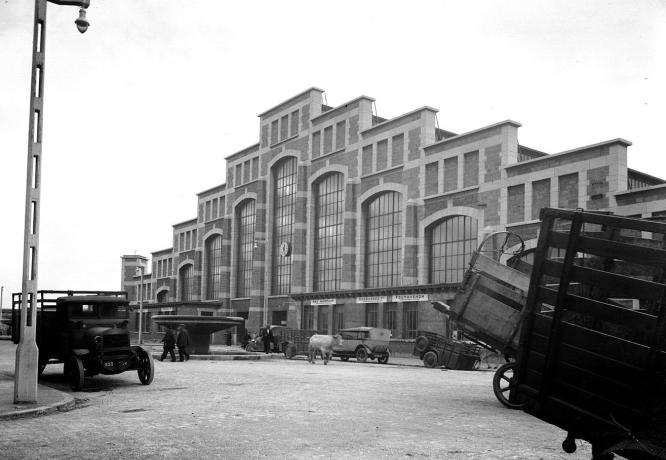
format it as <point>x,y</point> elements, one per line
<point>361,355</point>
<point>289,351</point>
<point>146,369</point>
<point>504,382</point>
<point>430,359</point>
<point>382,359</point>
<point>74,373</point>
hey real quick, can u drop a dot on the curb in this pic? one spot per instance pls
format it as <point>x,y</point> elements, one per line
<point>67,403</point>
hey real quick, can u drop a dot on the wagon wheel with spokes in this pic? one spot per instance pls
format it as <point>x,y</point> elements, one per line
<point>146,368</point>
<point>504,382</point>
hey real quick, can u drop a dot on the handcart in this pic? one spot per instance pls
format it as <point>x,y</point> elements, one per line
<point>592,355</point>
<point>487,308</point>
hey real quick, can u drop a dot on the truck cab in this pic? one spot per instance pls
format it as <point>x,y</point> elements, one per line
<point>87,332</point>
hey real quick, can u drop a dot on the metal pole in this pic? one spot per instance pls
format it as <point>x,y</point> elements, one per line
<point>140,305</point>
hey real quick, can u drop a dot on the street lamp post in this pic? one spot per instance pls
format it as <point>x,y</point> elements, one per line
<point>139,272</point>
<point>27,354</point>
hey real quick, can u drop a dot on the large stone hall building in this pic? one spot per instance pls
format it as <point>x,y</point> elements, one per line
<point>338,217</point>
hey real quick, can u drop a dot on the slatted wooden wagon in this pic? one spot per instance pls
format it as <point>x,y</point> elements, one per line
<point>592,355</point>
<point>487,307</point>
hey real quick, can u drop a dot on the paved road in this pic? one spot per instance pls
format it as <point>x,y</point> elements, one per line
<point>285,409</point>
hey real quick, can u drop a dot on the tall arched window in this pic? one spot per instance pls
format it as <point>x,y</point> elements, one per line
<point>284,191</point>
<point>383,240</point>
<point>186,282</point>
<point>246,218</point>
<point>213,267</point>
<point>329,224</point>
<point>452,242</point>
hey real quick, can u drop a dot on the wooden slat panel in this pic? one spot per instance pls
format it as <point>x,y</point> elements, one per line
<point>491,316</point>
<point>512,298</point>
<point>502,272</point>
<point>612,249</point>
<point>607,220</point>
<point>605,345</point>
<point>602,311</point>
<point>613,285</point>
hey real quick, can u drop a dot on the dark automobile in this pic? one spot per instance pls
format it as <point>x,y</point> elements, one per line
<point>364,343</point>
<point>87,331</point>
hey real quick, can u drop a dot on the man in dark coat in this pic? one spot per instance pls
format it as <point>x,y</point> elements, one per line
<point>183,341</point>
<point>267,338</point>
<point>169,341</point>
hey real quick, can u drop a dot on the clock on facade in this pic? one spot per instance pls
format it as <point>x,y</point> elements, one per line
<point>285,249</point>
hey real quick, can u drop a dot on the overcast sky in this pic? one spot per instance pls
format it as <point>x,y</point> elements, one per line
<point>142,109</point>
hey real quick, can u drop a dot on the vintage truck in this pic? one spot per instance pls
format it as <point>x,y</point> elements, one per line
<point>87,332</point>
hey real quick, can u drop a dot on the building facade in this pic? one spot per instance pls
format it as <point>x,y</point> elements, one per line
<point>338,217</point>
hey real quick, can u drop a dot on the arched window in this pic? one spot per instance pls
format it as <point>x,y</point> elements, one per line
<point>284,192</point>
<point>452,242</point>
<point>383,240</point>
<point>213,267</point>
<point>162,296</point>
<point>329,224</point>
<point>186,282</point>
<point>246,218</point>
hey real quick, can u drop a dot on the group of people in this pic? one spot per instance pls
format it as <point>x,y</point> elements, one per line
<point>172,339</point>
<point>266,334</point>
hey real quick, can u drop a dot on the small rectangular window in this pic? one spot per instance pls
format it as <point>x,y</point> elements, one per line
<point>471,169</point>
<point>340,134</point>
<point>246,171</point>
<point>431,178</point>
<point>294,123</point>
<point>328,140</point>
<point>397,149</point>
<point>382,155</point>
<point>450,174</point>
<point>274,132</point>
<point>239,172</point>
<point>316,144</point>
<point>284,127</point>
<point>367,160</point>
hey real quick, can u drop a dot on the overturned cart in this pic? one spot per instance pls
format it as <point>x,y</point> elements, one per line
<point>592,357</point>
<point>487,307</point>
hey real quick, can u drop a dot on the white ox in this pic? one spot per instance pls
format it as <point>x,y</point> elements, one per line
<point>324,344</point>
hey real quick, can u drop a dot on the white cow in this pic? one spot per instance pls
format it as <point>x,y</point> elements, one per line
<point>324,344</point>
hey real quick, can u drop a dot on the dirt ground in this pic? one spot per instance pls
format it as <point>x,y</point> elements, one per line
<point>281,408</point>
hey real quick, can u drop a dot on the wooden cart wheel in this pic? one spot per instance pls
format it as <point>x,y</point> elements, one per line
<point>146,369</point>
<point>289,350</point>
<point>430,359</point>
<point>383,359</point>
<point>74,373</point>
<point>361,355</point>
<point>421,343</point>
<point>504,382</point>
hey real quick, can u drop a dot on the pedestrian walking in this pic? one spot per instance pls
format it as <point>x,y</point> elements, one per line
<point>183,341</point>
<point>169,341</point>
<point>267,338</point>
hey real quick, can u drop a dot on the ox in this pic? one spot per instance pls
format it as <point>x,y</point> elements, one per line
<point>324,344</point>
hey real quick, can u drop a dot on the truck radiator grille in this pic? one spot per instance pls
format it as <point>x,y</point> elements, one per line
<point>116,340</point>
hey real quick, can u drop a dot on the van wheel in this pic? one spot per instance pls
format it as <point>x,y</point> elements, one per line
<point>146,369</point>
<point>74,373</point>
<point>361,355</point>
<point>430,359</point>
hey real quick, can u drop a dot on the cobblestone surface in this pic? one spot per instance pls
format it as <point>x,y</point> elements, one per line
<point>281,408</point>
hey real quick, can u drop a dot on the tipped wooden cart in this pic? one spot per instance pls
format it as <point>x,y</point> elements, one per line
<point>593,347</point>
<point>488,306</point>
